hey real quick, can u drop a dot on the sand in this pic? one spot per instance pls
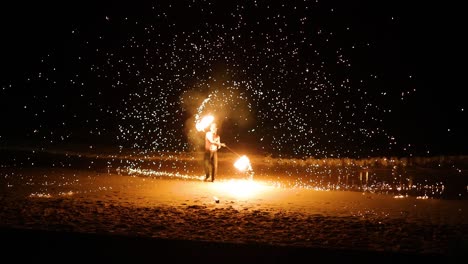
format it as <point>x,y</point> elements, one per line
<point>119,215</point>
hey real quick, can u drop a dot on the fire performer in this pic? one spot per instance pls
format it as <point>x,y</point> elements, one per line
<point>212,144</point>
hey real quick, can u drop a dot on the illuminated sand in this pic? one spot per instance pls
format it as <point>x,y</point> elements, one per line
<point>289,203</point>
<point>248,212</point>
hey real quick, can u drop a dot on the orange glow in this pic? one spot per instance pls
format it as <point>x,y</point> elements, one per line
<point>243,164</point>
<point>242,188</point>
<point>204,122</point>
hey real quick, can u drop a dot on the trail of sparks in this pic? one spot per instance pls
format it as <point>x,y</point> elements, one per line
<point>200,109</point>
<point>153,173</point>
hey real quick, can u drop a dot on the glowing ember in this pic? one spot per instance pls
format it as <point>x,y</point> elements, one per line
<point>154,173</point>
<point>204,122</point>
<point>243,164</point>
<point>41,195</point>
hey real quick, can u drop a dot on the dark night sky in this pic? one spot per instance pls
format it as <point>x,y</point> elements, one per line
<point>292,78</point>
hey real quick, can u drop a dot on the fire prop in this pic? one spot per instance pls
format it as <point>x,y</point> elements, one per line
<point>205,122</point>
<point>243,164</point>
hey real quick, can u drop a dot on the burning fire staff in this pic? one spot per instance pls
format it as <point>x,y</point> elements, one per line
<point>212,144</point>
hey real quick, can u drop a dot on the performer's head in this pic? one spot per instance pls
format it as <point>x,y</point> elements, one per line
<point>213,127</point>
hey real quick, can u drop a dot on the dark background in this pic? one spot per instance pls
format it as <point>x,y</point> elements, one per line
<point>69,71</point>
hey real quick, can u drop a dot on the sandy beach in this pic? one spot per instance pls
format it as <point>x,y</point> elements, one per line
<point>348,117</point>
<point>113,215</point>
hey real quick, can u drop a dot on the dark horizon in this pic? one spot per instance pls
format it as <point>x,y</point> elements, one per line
<point>318,79</point>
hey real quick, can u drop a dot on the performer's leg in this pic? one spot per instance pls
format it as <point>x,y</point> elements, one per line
<point>215,165</point>
<point>207,164</point>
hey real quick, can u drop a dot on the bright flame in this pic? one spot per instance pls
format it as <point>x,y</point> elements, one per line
<point>243,164</point>
<point>204,122</point>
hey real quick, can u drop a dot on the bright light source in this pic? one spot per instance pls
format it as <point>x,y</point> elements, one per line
<point>202,124</point>
<point>243,164</point>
